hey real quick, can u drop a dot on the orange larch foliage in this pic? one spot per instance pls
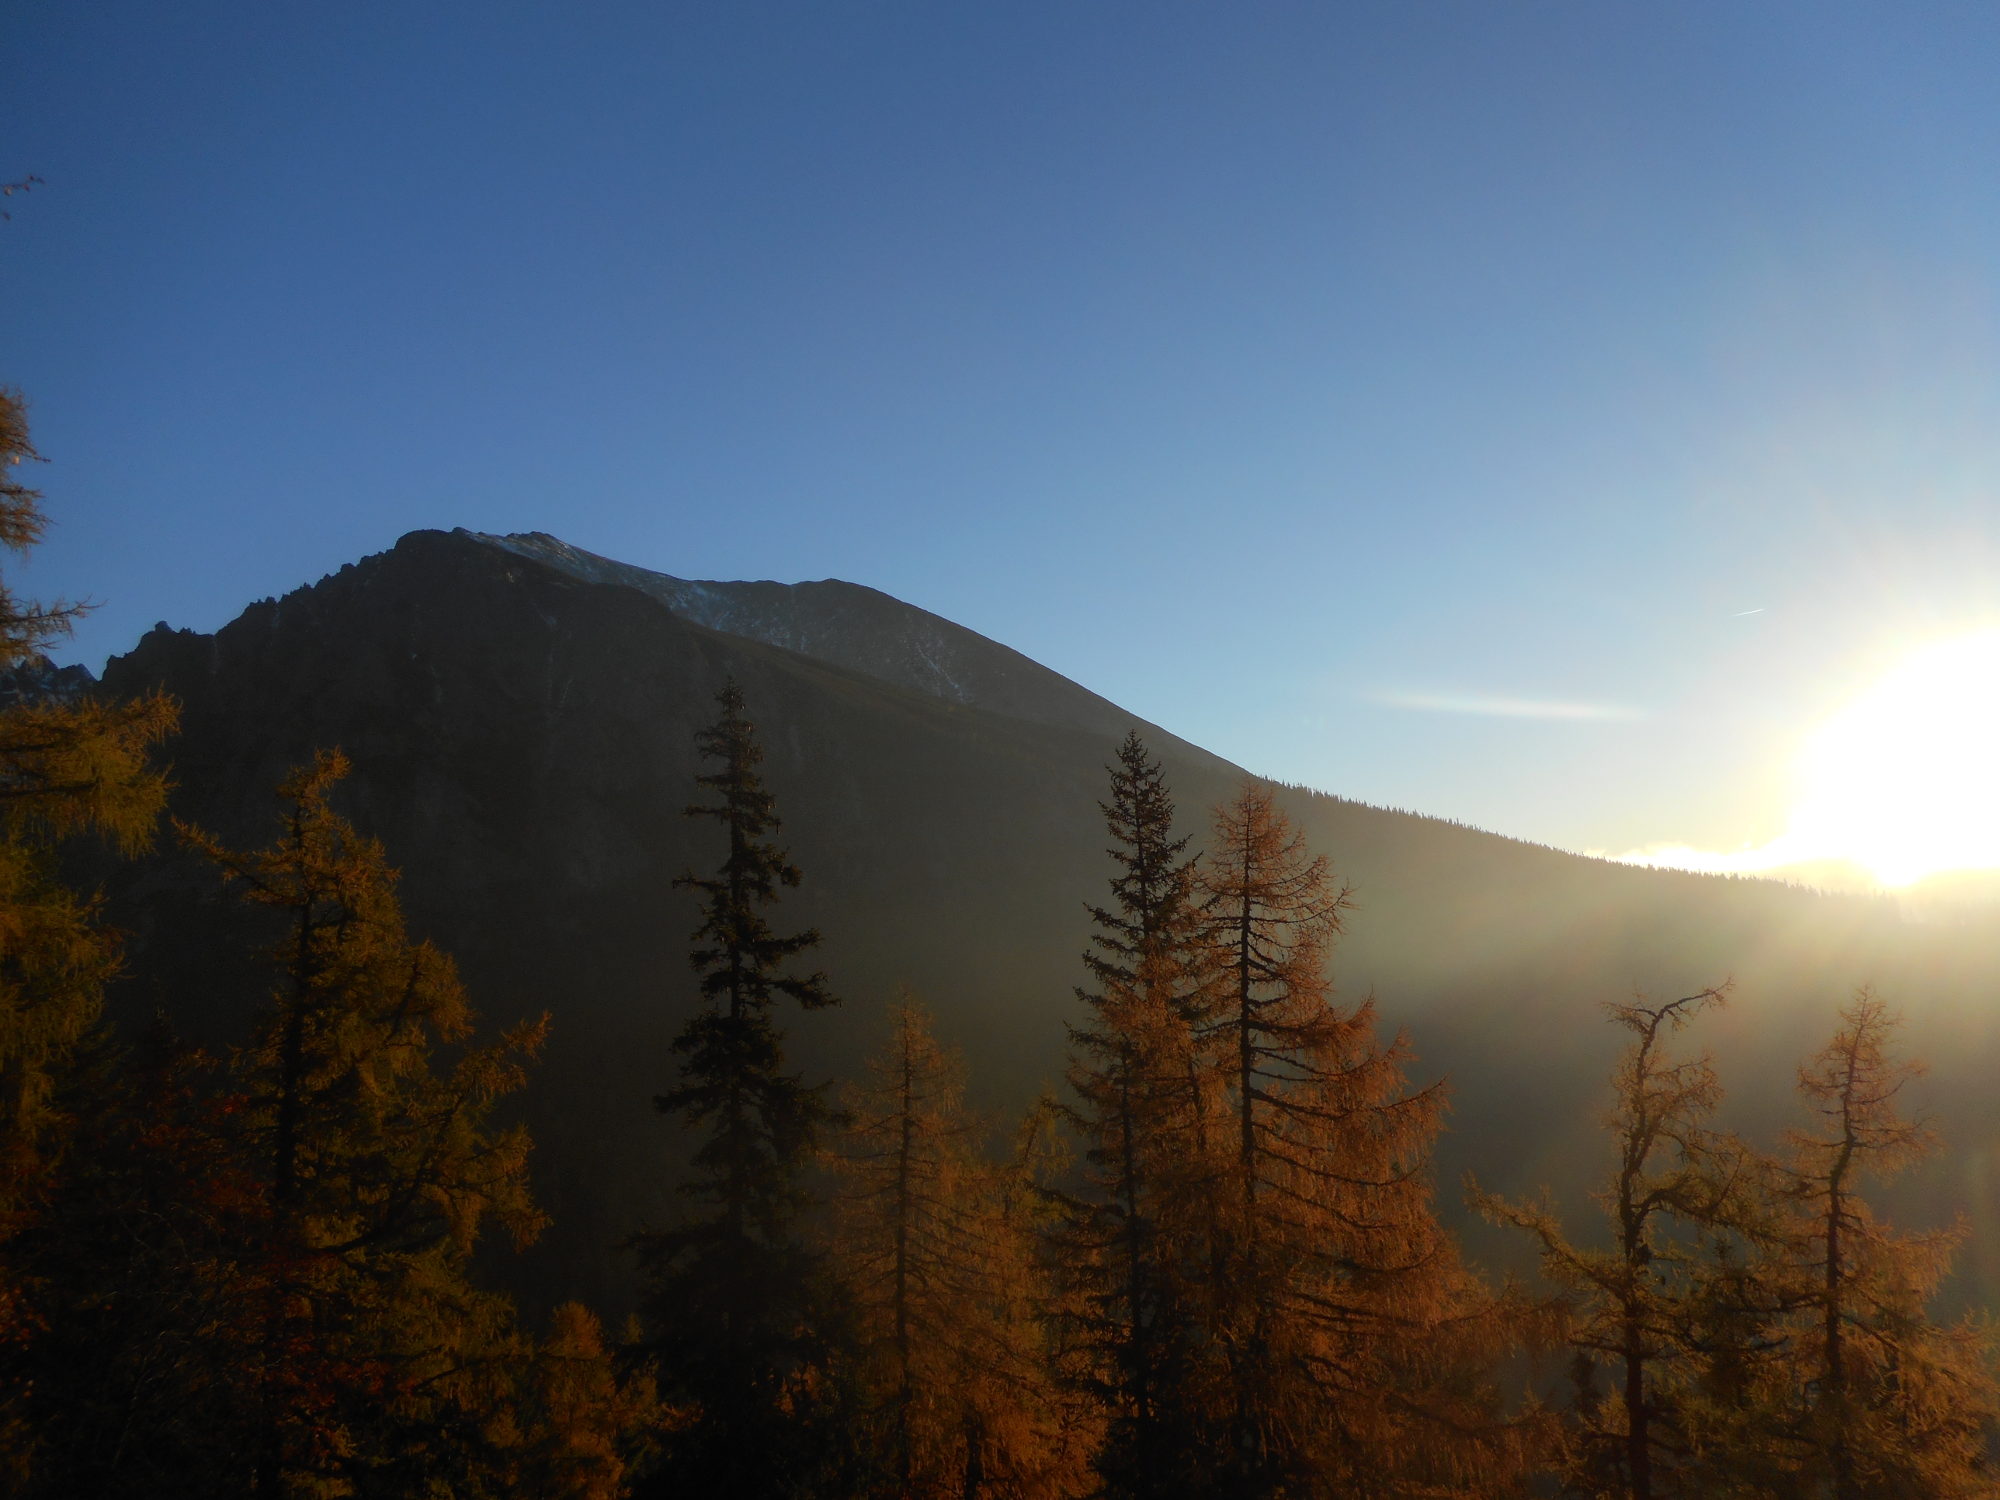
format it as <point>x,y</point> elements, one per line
<point>935,1255</point>
<point>1353,1349</point>
<point>380,1170</point>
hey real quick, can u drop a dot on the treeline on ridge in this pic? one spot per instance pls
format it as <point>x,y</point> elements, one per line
<point>1210,1266</point>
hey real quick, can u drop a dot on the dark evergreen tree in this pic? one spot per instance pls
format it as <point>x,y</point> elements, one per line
<point>735,1315</point>
<point>1127,1243</point>
<point>1150,939</point>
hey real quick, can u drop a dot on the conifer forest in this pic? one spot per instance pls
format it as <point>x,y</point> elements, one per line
<point>1213,1259</point>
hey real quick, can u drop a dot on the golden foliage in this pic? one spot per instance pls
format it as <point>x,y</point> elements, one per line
<point>1880,1400</point>
<point>1356,1350</point>
<point>379,1168</point>
<point>935,1250</point>
<point>1632,1300</point>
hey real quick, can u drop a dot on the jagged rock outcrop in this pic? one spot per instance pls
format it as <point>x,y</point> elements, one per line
<point>39,680</point>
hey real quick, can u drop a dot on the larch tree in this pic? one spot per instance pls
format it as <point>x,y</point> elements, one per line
<point>378,1366</point>
<point>68,768</point>
<point>140,1377</point>
<point>1678,1186</point>
<point>1128,1242</point>
<point>1886,1402</point>
<point>735,1310</point>
<point>1356,1347</point>
<point>258,1275</point>
<point>579,1423</point>
<point>938,1265</point>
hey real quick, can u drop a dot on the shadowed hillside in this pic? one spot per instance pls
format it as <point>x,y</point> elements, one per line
<point>521,720</point>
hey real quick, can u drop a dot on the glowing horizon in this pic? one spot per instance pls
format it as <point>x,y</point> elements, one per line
<point>1899,785</point>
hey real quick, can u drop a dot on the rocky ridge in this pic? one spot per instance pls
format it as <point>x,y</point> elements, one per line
<point>862,629</point>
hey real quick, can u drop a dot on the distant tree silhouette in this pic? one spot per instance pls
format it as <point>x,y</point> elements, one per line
<point>734,1314</point>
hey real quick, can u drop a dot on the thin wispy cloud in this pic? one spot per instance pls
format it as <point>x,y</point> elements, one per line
<point>1493,707</point>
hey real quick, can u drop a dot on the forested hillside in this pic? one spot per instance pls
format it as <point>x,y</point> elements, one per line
<point>969,1089</point>
<point>522,741</point>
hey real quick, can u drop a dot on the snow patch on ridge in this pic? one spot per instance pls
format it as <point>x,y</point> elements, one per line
<point>861,629</point>
<point>839,622</point>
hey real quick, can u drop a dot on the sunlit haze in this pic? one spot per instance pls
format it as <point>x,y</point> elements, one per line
<point>1902,783</point>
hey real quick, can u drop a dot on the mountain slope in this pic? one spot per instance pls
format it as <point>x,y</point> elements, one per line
<point>521,720</point>
<point>862,629</point>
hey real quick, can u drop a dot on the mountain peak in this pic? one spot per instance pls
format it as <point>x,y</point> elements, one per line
<point>859,628</point>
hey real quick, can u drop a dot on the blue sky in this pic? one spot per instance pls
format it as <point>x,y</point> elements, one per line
<point>1332,384</point>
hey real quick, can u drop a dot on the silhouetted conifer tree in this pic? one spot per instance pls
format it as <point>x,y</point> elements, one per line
<point>1127,1243</point>
<point>734,1315</point>
<point>25,626</point>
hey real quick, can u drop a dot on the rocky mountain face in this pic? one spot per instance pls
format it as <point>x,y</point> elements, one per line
<point>521,715</point>
<point>39,680</point>
<point>861,629</point>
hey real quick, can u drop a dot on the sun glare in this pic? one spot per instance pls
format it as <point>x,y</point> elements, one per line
<point>1901,784</point>
<point>1905,780</point>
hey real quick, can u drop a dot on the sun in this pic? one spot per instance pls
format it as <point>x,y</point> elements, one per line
<point>1905,780</point>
